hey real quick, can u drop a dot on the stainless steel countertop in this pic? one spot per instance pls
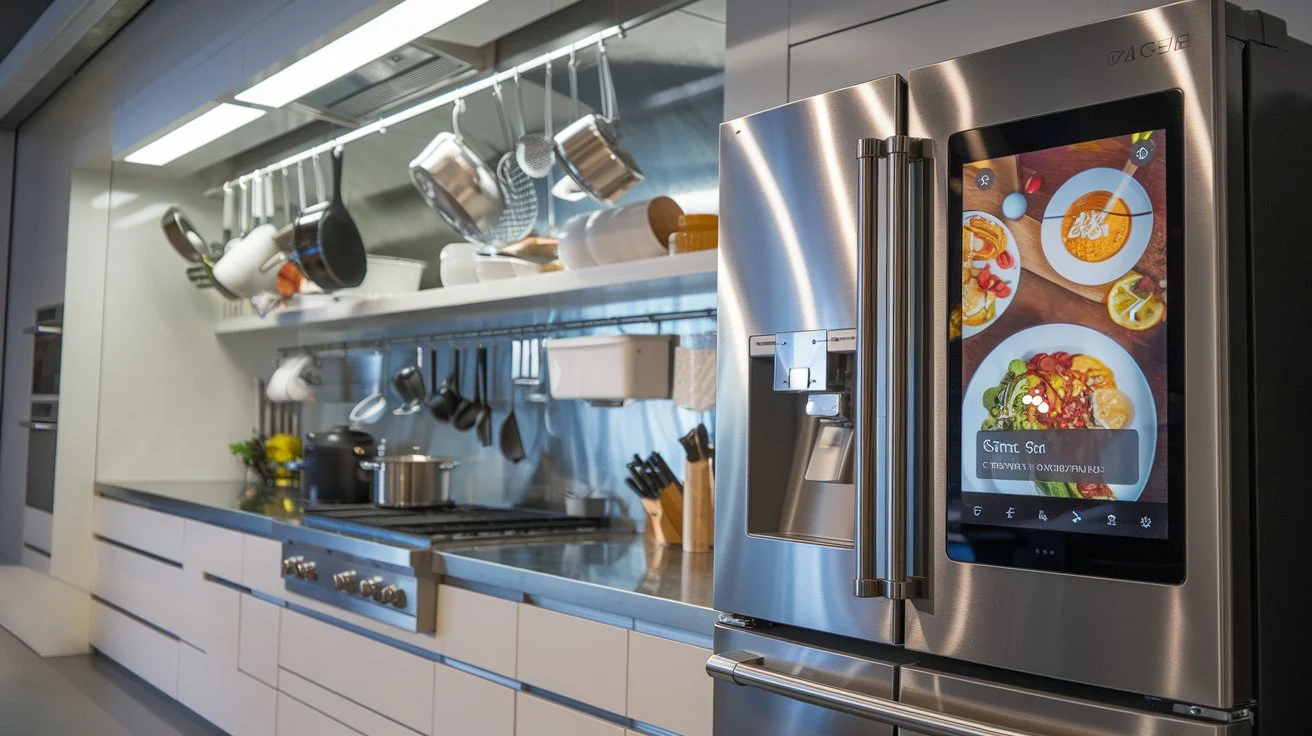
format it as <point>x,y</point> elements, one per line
<point>621,574</point>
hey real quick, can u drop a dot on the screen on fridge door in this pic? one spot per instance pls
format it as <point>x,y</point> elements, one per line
<point>1065,373</point>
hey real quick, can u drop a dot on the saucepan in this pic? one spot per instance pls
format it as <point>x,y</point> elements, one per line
<point>455,182</point>
<point>589,148</point>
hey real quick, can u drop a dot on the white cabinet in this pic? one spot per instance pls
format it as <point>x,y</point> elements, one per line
<point>261,565</point>
<point>466,705</point>
<point>668,685</point>
<point>327,703</point>
<point>298,719</point>
<point>153,656</point>
<point>537,717</point>
<point>212,550</point>
<point>238,704</point>
<point>140,528</point>
<point>143,586</point>
<point>574,657</point>
<point>477,629</point>
<point>257,652</point>
<point>394,683</point>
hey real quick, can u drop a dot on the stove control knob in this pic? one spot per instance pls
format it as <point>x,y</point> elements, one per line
<point>369,586</point>
<point>398,598</point>
<point>289,564</point>
<point>390,594</point>
<point>307,570</point>
<point>344,580</point>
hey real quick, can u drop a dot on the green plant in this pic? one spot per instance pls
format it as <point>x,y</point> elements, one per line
<point>252,454</point>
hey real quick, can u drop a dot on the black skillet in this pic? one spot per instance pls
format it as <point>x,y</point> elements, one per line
<point>327,244</point>
<point>446,397</point>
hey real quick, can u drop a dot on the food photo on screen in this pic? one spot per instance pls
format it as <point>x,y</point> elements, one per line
<point>1062,321</point>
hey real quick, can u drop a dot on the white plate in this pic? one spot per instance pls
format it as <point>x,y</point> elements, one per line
<point>1141,226</point>
<point>1072,339</point>
<point>1010,275</point>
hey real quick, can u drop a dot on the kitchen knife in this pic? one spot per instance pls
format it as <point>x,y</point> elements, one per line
<point>663,471</point>
<point>640,478</point>
<point>634,487</point>
<point>690,448</point>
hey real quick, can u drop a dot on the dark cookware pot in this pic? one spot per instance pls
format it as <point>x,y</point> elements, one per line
<point>330,467</point>
<point>327,244</point>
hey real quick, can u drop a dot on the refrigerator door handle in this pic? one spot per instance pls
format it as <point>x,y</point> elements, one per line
<point>37,426</point>
<point>747,669</point>
<point>869,151</point>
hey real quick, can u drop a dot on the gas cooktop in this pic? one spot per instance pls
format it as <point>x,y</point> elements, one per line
<point>451,523</point>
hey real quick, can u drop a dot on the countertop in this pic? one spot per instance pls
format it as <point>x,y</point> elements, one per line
<point>618,573</point>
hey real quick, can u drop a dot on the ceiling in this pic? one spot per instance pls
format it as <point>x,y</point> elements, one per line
<point>16,16</point>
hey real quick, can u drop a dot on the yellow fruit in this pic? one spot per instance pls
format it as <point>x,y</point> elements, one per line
<point>1133,305</point>
<point>281,448</point>
<point>1112,409</point>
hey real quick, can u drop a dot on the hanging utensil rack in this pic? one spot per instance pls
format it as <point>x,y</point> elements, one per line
<point>382,124</point>
<point>512,331</point>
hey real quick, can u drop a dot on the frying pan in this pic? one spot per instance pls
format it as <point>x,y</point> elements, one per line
<point>182,235</point>
<point>326,243</point>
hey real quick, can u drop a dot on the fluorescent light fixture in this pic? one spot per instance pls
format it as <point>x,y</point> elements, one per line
<point>214,124</point>
<point>380,36</point>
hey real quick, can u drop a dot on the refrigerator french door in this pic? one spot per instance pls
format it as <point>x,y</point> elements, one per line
<point>1007,388</point>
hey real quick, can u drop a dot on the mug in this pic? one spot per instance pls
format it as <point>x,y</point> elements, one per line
<point>573,244</point>
<point>291,381</point>
<point>245,267</point>
<point>632,231</point>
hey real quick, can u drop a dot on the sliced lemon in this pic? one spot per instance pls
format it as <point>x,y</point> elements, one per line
<point>1112,408</point>
<point>1132,307</point>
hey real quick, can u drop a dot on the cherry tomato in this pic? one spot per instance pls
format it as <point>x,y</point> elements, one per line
<point>1005,260</point>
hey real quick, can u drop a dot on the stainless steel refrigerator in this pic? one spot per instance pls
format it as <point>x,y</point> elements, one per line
<point>1011,390</point>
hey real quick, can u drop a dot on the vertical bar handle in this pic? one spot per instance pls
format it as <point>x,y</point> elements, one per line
<point>869,150</point>
<point>900,151</point>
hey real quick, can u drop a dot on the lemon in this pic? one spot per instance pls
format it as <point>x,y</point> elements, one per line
<point>1112,409</point>
<point>1133,303</point>
<point>281,448</point>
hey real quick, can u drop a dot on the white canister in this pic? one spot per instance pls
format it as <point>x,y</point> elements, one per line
<point>609,367</point>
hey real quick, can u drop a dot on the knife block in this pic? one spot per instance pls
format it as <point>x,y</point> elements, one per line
<point>698,511</point>
<point>666,515</point>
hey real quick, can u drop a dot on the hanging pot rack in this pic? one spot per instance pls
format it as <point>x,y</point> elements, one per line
<point>382,124</point>
<point>512,331</point>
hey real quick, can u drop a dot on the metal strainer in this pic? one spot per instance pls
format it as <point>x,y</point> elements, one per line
<point>520,213</point>
<point>535,152</point>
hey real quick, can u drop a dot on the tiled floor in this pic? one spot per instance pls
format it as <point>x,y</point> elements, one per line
<point>72,696</point>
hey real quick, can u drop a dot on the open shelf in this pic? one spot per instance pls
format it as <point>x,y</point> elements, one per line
<point>689,273</point>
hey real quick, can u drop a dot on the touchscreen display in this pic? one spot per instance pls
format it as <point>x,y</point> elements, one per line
<point>1063,321</point>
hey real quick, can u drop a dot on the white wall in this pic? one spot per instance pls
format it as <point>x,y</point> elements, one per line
<point>826,44</point>
<point>171,398</point>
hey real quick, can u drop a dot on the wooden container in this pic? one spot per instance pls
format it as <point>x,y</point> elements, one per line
<point>666,514</point>
<point>698,507</point>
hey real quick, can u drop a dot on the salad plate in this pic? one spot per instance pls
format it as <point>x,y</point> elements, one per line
<point>1119,398</point>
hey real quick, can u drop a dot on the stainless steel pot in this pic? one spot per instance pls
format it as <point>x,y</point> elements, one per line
<point>455,182</point>
<point>410,481</point>
<point>589,148</point>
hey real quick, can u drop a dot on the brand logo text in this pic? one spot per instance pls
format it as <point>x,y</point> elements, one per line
<point>1147,49</point>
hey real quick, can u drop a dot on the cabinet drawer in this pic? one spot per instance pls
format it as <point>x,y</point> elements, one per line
<point>211,550</point>
<point>339,709</point>
<point>394,683</point>
<point>465,705</point>
<point>537,717</point>
<point>477,629</point>
<point>211,614</point>
<point>238,704</point>
<point>149,531</point>
<point>141,649</point>
<point>143,586</point>
<point>257,650</point>
<point>298,719</point>
<point>261,565</point>
<point>668,685</point>
<point>574,657</point>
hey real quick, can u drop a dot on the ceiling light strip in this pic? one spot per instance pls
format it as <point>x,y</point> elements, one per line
<point>427,106</point>
<point>210,126</point>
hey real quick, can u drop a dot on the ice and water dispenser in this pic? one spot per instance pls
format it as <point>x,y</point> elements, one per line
<point>801,438</point>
